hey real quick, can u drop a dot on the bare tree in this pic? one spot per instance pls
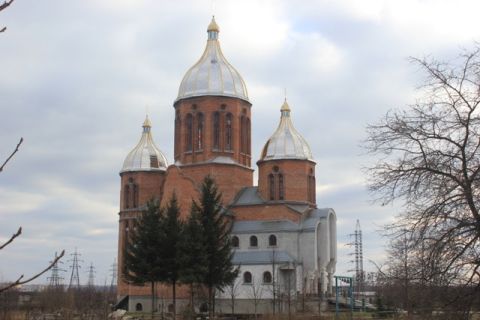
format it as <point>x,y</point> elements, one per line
<point>233,291</point>
<point>430,159</point>
<point>256,293</point>
<point>3,6</point>
<point>20,280</point>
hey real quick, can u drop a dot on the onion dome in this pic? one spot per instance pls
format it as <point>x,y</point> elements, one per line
<point>212,74</point>
<point>145,156</point>
<point>286,142</point>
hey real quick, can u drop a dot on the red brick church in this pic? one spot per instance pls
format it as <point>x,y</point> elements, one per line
<point>277,219</point>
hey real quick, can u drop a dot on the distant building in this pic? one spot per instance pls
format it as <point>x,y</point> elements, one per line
<point>284,244</point>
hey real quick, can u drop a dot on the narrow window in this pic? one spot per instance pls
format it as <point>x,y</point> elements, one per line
<point>271,186</point>
<point>309,188</point>
<point>200,131</point>
<point>189,136</point>
<point>253,241</point>
<point>138,307</point>
<point>243,134</point>
<point>313,196</point>
<point>126,196</point>
<point>267,277</point>
<point>178,126</point>
<point>216,130</point>
<point>135,196</point>
<point>272,240</point>
<point>228,132</point>
<point>248,137</point>
<point>247,277</point>
<point>154,161</point>
<point>235,242</point>
<point>281,189</point>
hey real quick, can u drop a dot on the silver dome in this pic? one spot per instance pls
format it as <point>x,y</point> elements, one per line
<point>212,74</point>
<point>286,142</point>
<point>145,156</point>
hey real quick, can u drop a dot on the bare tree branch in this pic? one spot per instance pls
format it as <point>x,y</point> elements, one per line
<point>19,232</point>
<point>3,6</point>
<point>12,154</point>
<point>429,159</point>
<point>19,281</point>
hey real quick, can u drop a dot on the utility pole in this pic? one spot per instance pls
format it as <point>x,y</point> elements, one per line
<point>91,276</point>
<point>113,273</point>
<point>358,253</point>
<point>55,280</point>
<point>74,277</point>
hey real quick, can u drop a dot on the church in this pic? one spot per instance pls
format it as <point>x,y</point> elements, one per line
<point>285,246</point>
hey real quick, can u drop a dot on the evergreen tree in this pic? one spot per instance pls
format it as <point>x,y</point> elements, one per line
<point>169,251</point>
<point>220,271</point>
<point>142,263</point>
<point>193,258</point>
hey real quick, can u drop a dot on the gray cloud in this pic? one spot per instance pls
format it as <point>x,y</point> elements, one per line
<point>77,77</point>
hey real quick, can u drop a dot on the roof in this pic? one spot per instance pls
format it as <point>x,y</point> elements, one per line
<point>146,156</point>
<point>248,196</point>
<point>311,219</point>
<point>286,142</point>
<point>264,226</point>
<point>261,257</point>
<point>212,74</point>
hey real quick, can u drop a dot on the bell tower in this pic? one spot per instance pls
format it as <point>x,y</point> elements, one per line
<point>213,121</point>
<point>286,170</point>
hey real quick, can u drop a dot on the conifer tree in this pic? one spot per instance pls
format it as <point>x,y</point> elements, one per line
<point>193,258</point>
<point>169,251</point>
<point>220,271</point>
<point>142,263</point>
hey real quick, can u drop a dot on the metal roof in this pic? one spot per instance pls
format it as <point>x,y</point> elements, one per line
<point>286,142</point>
<point>311,219</point>
<point>259,226</point>
<point>212,74</point>
<point>261,257</point>
<point>146,156</point>
<point>248,196</point>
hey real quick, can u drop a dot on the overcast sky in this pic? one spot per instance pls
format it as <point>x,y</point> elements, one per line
<point>77,76</point>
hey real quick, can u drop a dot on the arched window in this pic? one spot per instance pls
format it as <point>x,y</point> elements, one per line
<point>253,241</point>
<point>271,186</point>
<point>248,137</point>
<point>200,123</point>
<point>189,136</point>
<point>272,240</point>
<point>138,307</point>
<point>126,196</point>
<point>243,135</point>
<point>216,130</point>
<point>228,132</point>
<point>235,242</point>
<point>311,187</point>
<point>178,126</point>
<point>247,277</point>
<point>135,196</point>
<point>281,189</point>
<point>267,277</point>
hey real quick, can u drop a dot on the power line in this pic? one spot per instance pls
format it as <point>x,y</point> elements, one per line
<point>91,275</point>
<point>358,253</point>
<point>55,280</point>
<point>75,277</point>
<point>113,274</point>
